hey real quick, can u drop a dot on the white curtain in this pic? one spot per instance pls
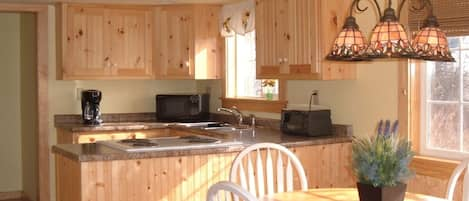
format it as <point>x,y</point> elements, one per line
<point>237,18</point>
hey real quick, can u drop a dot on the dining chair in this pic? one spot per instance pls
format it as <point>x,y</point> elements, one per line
<point>230,189</point>
<point>454,179</point>
<point>255,180</point>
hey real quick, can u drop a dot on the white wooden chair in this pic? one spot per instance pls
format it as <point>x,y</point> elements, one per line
<point>454,179</point>
<point>255,180</point>
<point>230,189</point>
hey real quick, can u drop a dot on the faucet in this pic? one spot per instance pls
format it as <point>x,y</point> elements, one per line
<point>235,112</point>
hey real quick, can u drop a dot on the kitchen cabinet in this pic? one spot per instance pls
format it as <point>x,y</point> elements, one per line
<point>332,14</point>
<point>187,176</point>
<point>104,42</point>
<point>66,136</point>
<point>187,42</point>
<point>294,37</point>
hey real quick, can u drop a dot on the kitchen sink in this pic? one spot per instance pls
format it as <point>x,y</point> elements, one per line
<point>229,129</point>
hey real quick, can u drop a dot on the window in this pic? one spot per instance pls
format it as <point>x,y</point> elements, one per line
<point>240,76</point>
<point>445,104</point>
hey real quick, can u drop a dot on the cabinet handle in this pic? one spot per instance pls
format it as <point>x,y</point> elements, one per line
<point>280,60</point>
<point>285,60</point>
<point>187,64</point>
<point>114,64</point>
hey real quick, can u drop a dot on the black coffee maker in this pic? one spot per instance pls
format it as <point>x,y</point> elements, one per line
<point>91,113</point>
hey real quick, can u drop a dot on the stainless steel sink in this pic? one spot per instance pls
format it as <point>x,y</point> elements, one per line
<point>230,129</point>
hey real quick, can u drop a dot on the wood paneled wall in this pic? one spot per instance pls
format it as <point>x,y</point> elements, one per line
<point>184,178</point>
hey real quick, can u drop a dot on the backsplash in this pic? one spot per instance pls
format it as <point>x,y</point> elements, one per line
<point>337,129</point>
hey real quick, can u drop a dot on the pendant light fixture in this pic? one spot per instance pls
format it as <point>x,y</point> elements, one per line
<point>389,38</point>
<point>430,43</point>
<point>350,44</point>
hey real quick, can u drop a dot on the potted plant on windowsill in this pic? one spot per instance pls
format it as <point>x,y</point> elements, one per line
<point>381,164</point>
<point>268,88</point>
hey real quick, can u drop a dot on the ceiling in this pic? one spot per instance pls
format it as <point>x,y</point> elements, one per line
<point>147,2</point>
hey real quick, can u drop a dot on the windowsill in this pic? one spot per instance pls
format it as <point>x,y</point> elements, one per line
<point>257,105</point>
<point>433,167</point>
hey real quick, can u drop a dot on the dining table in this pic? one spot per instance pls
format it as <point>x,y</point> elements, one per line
<point>335,194</point>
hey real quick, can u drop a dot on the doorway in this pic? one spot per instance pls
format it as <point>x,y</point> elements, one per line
<point>29,101</point>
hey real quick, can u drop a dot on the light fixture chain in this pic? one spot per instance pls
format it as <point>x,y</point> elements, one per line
<point>379,8</point>
<point>399,9</point>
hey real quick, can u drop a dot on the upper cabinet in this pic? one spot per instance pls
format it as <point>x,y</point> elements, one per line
<point>293,37</point>
<point>332,14</point>
<point>104,42</point>
<point>138,42</point>
<point>187,42</point>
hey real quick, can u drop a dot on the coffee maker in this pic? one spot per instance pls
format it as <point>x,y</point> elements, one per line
<point>91,113</point>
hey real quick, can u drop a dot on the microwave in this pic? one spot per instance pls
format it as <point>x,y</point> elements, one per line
<point>182,107</point>
<point>306,122</point>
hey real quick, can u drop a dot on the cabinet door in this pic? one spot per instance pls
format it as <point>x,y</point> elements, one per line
<point>208,42</point>
<point>332,17</point>
<point>128,42</point>
<point>83,47</point>
<point>301,38</point>
<point>268,60</point>
<point>174,44</point>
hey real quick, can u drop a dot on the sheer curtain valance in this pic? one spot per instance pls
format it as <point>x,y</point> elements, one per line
<point>237,18</point>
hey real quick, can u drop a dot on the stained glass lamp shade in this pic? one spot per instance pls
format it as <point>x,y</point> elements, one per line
<point>430,43</point>
<point>350,44</point>
<point>389,38</point>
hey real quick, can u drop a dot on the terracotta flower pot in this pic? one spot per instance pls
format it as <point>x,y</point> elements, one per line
<point>368,192</point>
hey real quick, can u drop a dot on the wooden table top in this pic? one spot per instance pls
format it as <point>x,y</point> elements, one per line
<point>336,194</point>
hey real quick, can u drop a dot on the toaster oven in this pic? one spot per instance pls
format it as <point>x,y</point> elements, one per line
<point>306,122</point>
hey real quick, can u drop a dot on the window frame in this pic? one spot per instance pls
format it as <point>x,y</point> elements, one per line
<point>253,104</point>
<point>409,114</point>
<point>424,108</point>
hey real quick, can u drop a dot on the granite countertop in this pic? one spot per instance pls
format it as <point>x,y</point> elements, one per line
<point>99,152</point>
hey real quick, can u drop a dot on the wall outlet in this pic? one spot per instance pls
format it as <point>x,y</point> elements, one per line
<point>78,93</point>
<point>208,90</point>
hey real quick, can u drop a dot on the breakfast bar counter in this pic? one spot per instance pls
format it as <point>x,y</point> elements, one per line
<point>94,171</point>
<point>100,152</point>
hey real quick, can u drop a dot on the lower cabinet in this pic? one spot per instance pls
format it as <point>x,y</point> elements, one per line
<point>184,178</point>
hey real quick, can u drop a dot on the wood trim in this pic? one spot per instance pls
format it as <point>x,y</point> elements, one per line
<point>255,105</point>
<point>42,91</point>
<point>11,195</point>
<point>309,76</point>
<point>409,101</point>
<point>415,104</point>
<point>433,167</point>
<point>403,99</point>
<point>43,105</point>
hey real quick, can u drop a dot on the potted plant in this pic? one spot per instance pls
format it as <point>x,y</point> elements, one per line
<point>268,86</point>
<point>381,164</point>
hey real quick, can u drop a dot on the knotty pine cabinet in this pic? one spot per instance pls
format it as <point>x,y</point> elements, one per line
<point>186,177</point>
<point>187,42</point>
<point>104,42</point>
<point>67,136</point>
<point>293,38</point>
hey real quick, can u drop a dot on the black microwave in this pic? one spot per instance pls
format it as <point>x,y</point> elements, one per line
<point>182,107</point>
